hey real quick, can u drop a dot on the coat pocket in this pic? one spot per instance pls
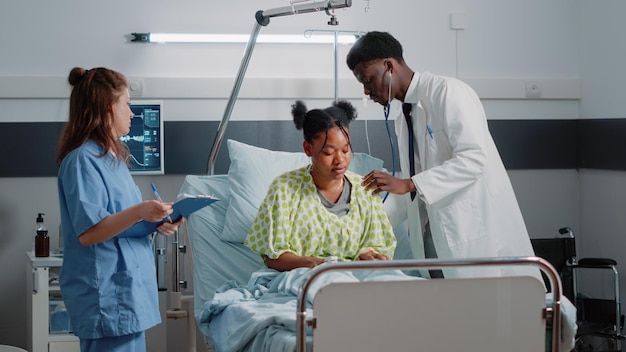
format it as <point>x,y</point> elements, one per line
<point>461,223</point>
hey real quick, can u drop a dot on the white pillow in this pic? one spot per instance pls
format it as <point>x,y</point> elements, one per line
<point>252,170</point>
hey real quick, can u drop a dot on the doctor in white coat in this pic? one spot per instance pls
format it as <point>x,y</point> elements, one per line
<point>464,206</point>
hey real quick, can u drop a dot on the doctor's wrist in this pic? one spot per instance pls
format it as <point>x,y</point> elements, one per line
<point>410,186</point>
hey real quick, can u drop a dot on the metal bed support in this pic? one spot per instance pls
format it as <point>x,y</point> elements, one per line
<point>263,19</point>
<point>553,313</point>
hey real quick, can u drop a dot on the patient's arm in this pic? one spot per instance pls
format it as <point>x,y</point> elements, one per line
<point>288,261</point>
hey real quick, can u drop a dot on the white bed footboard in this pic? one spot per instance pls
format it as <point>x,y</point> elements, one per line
<point>470,314</point>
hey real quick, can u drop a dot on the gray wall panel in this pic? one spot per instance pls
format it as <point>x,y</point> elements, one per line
<point>602,144</point>
<point>29,149</point>
<point>523,144</point>
<point>536,144</point>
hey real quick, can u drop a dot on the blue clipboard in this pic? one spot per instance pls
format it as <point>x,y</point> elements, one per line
<point>182,208</point>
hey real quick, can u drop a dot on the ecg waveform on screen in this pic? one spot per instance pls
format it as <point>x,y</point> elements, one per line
<point>143,139</point>
<point>126,139</point>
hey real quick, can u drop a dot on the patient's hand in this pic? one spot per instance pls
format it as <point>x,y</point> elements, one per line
<point>288,261</point>
<point>372,255</point>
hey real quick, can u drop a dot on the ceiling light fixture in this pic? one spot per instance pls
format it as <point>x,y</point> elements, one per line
<point>305,38</point>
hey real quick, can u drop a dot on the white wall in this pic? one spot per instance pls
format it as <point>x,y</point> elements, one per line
<point>602,193</point>
<point>505,44</point>
<point>602,56</point>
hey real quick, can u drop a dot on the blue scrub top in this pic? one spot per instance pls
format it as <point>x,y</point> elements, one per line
<point>109,288</point>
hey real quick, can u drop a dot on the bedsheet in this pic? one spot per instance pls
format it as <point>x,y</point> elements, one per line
<point>260,316</point>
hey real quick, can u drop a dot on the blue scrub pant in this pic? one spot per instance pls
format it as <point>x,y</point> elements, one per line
<point>127,343</point>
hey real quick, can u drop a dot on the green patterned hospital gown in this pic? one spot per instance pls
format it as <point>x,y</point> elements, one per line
<point>293,219</point>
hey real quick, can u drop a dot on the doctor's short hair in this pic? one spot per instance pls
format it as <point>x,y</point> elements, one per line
<point>374,46</point>
<point>311,122</point>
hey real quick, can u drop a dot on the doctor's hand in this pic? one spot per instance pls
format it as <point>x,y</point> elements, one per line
<point>380,181</point>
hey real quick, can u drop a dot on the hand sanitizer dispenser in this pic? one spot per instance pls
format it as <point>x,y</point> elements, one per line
<point>42,240</point>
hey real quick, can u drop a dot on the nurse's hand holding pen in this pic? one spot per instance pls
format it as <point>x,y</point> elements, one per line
<point>380,181</point>
<point>112,225</point>
<point>155,210</point>
<point>166,228</point>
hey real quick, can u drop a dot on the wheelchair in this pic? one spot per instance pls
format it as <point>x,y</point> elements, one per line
<point>600,321</point>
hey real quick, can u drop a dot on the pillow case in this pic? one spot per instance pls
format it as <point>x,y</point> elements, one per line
<point>252,170</point>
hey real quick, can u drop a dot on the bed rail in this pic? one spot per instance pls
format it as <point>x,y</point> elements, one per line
<point>553,312</point>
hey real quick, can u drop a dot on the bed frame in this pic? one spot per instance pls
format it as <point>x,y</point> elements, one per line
<point>478,314</point>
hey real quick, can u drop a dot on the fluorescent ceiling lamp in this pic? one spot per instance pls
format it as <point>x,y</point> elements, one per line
<point>242,38</point>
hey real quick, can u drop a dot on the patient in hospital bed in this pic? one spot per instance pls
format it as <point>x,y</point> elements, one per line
<point>309,215</point>
<point>321,210</point>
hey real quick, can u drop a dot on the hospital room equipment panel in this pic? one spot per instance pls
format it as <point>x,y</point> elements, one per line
<point>43,298</point>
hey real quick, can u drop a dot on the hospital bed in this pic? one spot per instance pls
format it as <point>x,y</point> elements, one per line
<point>345,306</point>
<point>380,308</point>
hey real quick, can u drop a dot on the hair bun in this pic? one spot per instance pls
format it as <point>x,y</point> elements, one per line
<point>76,75</point>
<point>298,111</point>
<point>347,107</point>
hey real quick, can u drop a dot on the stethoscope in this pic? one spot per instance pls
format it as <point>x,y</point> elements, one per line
<point>386,111</point>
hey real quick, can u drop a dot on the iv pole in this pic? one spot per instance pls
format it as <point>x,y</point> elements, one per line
<point>263,19</point>
<point>309,32</point>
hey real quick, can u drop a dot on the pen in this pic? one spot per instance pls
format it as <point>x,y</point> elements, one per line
<point>156,193</point>
<point>430,132</point>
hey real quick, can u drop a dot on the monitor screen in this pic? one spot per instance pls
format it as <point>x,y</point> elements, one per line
<point>145,139</point>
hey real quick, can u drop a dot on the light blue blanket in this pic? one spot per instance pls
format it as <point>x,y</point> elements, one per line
<point>261,316</point>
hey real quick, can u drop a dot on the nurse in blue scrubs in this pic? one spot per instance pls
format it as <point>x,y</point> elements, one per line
<point>108,278</point>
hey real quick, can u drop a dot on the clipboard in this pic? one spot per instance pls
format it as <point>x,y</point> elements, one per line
<point>183,207</point>
<point>189,204</point>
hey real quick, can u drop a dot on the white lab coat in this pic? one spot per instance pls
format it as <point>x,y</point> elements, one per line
<point>468,197</point>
